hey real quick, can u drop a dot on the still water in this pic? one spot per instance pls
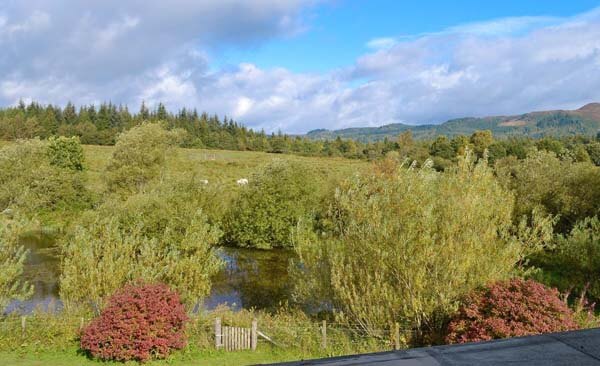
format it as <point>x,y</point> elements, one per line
<point>250,278</point>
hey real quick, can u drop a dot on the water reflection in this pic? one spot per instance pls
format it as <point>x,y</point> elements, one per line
<point>250,278</point>
<point>42,271</point>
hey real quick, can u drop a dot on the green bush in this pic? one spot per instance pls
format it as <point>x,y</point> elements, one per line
<point>577,258</point>
<point>404,246</point>
<point>31,183</point>
<point>269,207</point>
<point>558,187</point>
<point>159,236</point>
<point>139,156</point>
<point>65,152</point>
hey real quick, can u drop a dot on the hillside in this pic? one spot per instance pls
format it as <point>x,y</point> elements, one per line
<point>583,121</point>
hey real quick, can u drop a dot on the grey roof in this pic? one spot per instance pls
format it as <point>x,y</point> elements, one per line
<point>580,347</point>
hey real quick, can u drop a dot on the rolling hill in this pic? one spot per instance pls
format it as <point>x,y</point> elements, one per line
<point>583,121</point>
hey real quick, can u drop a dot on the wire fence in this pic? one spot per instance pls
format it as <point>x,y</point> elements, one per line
<point>328,338</point>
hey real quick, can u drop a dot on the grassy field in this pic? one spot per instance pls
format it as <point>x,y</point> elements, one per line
<point>71,357</point>
<point>221,167</point>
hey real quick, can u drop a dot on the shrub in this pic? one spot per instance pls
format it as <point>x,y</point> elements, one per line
<point>140,322</point>
<point>159,236</point>
<point>266,211</point>
<point>510,309</point>
<point>65,152</point>
<point>138,157</point>
<point>568,190</point>
<point>33,183</point>
<point>404,246</point>
<point>577,257</point>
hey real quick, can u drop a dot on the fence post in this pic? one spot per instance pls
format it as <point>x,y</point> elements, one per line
<point>23,320</point>
<point>218,334</point>
<point>254,335</point>
<point>324,334</point>
<point>81,323</point>
<point>397,336</point>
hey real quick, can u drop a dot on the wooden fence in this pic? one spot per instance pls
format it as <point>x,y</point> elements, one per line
<point>238,338</point>
<point>235,338</point>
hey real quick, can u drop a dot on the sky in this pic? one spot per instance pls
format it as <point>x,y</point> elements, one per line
<point>298,65</point>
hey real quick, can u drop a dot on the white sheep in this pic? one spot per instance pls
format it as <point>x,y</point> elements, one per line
<point>204,181</point>
<point>242,182</point>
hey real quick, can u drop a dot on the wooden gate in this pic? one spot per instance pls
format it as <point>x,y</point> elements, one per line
<point>235,338</point>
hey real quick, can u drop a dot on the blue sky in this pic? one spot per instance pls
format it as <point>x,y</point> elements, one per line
<point>338,32</point>
<point>297,65</point>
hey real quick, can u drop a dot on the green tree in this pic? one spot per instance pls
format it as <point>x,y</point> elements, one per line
<point>578,257</point>
<point>481,140</point>
<point>30,183</point>
<point>269,207</point>
<point>460,143</point>
<point>497,151</point>
<point>593,150</point>
<point>159,236</point>
<point>405,143</point>
<point>442,148</point>
<point>550,144</point>
<point>20,127</point>
<point>405,246</point>
<point>580,154</point>
<point>561,188</point>
<point>138,157</point>
<point>65,152</point>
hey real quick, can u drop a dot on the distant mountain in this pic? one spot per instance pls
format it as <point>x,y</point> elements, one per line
<point>583,121</point>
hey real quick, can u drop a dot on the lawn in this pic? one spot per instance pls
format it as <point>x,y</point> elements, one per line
<point>204,358</point>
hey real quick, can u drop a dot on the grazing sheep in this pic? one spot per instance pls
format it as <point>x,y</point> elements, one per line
<point>204,181</point>
<point>242,182</point>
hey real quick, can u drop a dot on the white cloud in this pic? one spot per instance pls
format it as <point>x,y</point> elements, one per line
<point>243,106</point>
<point>504,26</point>
<point>381,43</point>
<point>133,51</point>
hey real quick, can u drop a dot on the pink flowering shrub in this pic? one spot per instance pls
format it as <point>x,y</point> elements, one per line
<point>140,322</point>
<point>510,309</point>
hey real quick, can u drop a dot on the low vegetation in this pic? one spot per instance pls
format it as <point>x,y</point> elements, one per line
<point>419,266</point>
<point>416,238</point>
<point>139,322</point>
<point>265,212</point>
<point>512,308</point>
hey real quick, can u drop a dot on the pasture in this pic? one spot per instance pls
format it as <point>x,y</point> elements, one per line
<point>222,168</point>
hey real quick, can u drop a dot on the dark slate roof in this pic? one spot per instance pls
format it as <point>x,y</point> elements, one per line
<point>580,347</point>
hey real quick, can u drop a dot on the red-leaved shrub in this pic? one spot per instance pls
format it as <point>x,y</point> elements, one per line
<point>139,322</point>
<point>510,309</point>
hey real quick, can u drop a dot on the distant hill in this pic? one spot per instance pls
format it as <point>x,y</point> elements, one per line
<point>583,121</point>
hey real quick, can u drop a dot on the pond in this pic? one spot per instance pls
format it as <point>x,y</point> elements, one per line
<point>250,278</point>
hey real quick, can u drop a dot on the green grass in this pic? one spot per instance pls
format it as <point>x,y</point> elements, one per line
<point>71,357</point>
<point>220,167</point>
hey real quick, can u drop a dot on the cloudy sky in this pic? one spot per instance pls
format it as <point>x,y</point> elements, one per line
<point>298,65</point>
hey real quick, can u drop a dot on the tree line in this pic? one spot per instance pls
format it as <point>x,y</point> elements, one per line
<point>101,125</point>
